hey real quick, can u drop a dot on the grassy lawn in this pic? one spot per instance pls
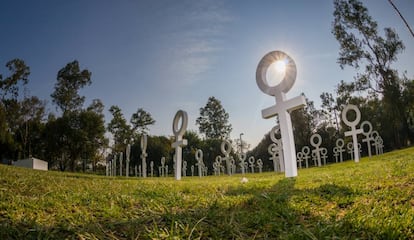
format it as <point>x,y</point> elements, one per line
<point>373,199</point>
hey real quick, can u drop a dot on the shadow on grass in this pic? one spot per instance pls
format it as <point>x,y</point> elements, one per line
<point>279,212</point>
<point>244,212</point>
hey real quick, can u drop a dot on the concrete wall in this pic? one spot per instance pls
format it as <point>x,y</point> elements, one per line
<point>33,163</point>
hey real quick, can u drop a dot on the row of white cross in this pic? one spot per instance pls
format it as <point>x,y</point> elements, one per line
<point>282,150</point>
<point>218,166</point>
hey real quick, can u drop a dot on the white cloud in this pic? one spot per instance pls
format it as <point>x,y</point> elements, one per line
<point>192,40</point>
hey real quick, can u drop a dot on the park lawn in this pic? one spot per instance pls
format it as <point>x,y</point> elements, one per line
<point>373,199</point>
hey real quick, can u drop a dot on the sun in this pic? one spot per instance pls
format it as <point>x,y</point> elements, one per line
<point>280,66</point>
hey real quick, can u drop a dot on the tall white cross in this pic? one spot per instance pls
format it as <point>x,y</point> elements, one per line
<point>226,150</point>
<point>367,135</point>
<point>283,106</point>
<point>144,155</point>
<point>354,131</point>
<point>317,145</point>
<point>128,154</point>
<point>179,141</point>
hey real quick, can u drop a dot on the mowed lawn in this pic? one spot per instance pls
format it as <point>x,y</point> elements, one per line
<point>373,199</point>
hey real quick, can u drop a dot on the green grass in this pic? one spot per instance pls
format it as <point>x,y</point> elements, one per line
<point>373,199</point>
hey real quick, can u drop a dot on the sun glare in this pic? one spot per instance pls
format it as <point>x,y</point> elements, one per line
<point>280,66</point>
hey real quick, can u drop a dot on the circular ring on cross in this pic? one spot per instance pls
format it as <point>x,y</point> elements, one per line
<point>306,150</point>
<point>312,140</point>
<point>242,157</point>
<point>251,160</point>
<point>199,154</point>
<point>180,115</point>
<point>369,130</point>
<point>379,140</point>
<point>340,143</point>
<point>226,147</point>
<point>345,116</point>
<point>272,148</point>
<point>275,130</point>
<point>374,134</point>
<point>350,146</point>
<point>288,80</point>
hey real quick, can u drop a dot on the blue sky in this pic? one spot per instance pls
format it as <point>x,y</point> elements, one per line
<point>166,55</point>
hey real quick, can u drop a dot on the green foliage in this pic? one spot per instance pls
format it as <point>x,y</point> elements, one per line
<point>21,117</point>
<point>79,133</point>
<point>74,136</point>
<point>214,120</point>
<point>157,147</point>
<point>194,143</point>
<point>140,121</point>
<point>70,80</point>
<point>9,87</point>
<point>361,44</point>
<point>119,128</point>
<point>368,200</point>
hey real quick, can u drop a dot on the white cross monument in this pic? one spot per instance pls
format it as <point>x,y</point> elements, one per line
<point>352,124</point>
<point>128,154</point>
<point>144,154</point>
<point>179,141</point>
<point>283,106</point>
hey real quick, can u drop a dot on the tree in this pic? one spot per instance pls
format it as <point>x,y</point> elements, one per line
<point>10,85</point>
<point>140,121</point>
<point>408,100</point>
<point>119,128</point>
<point>194,143</point>
<point>18,116</point>
<point>79,133</point>
<point>70,80</point>
<point>214,120</point>
<point>92,132</point>
<point>75,136</point>
<point>6,137</point>
<point>330,109</point>
<point>361,44</point>
<point>305,121</point>
<point>29,122</point>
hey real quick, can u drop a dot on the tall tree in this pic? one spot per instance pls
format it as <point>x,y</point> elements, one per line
<point>75,136</point>
<point>29,122</point>
<point>13,110</point>
<point>361,44</point>
<point>140,121</point>
<point>330,109</point>
<point>194,143</point>
<point>92,132</point>
<point>9,87</point>
<point>70,80</point>
<point>119,128</point>
<point>214,120</point>
<point>79,132</point>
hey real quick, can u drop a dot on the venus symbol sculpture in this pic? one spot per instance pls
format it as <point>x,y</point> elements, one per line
<point>352,124</point>
<point>144,154</point>
<point>283,106</point>
<point>226,150</point>
<point>128,155</point>
<point>179,141</point>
